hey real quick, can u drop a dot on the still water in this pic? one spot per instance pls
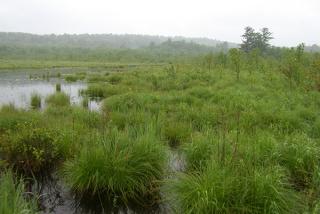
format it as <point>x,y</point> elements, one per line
<point>16,87</point>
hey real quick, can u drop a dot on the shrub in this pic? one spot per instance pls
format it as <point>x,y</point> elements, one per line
<point>30,150</point>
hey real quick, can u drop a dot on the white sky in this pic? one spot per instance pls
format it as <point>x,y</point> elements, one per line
<point>291,21</point>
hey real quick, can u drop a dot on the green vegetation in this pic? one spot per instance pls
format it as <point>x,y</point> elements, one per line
<point>58,87</point>
<point>35,101</point>
<point>213,132</point>
<point>119,167</point>
<point>58,99</point>
<point>12,196</point>
<point>30,150</point>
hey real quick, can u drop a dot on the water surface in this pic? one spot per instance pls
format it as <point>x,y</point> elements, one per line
<point>17,87</point>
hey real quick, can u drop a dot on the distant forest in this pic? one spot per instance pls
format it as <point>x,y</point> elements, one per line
<point>109,47</point>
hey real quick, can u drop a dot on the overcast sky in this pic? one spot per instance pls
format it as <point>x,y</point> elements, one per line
<point>291,21</point>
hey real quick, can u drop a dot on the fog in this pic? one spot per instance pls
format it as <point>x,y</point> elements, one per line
<point>291,21</point>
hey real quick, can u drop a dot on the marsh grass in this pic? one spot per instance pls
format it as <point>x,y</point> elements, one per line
<point>12,196</point>
<point>58,87</point>
<point>11,118</point>
<point>85,102</point>
<point>74,77</point>
<point>233,190</point>
<point>118,168</point>
<point>199,151</point>
<point>58,99</point>
<point>176,133</point>
<point>300,155</point>
<point>103,90</point>
<point>35,101</point>
<point>250,145</point>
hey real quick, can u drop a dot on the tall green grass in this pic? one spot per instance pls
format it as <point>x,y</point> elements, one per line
<point>58,99</point>
<point>227,189</point>
<point>12,196</point>
<point>119,168</point>
<point>35,101</point>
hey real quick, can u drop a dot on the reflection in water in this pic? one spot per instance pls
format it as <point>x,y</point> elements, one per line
<point>16,88</point>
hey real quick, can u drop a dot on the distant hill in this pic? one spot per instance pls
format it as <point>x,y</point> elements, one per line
<point>115,41</point>
<point>106,47</point>
<point>313,48</point>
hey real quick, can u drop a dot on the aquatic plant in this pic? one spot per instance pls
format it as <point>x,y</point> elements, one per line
<point>12,196</point>
<point>58,99</point>
<point>35,101</point>
<point>85,102</point>
<point>121,169</point>
<point>73,77</point>
<point>227,189</point>
<point>58,87</point>
<point>176,133</point>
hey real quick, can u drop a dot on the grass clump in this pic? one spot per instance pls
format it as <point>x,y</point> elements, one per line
<point>198,152</point>
<point>12,196</point>
<point>74,77</point>
<point>58,87</point>
<point>35,101</point>
<point>176,133</point>
<point>224,189</point>
<point>58,100</point>
<point>301,156</point>
<point>85,102</point>
<point>94,91</point>
<point>118,168</point>
<point>103,90</point>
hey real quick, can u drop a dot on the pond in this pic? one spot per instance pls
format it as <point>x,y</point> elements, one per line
<point>16,87</point>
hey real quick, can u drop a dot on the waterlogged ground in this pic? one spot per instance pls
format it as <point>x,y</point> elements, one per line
<point>181,138</point>
<point>17,86</point>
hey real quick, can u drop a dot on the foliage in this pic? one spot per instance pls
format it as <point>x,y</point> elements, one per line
<point>30,150</point>
<point>35,101</point>
<point>117,167</point>
<point>12,196</point>
<point>58,99</point>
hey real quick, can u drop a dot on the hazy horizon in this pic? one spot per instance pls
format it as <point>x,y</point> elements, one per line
<point>291,21</point>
